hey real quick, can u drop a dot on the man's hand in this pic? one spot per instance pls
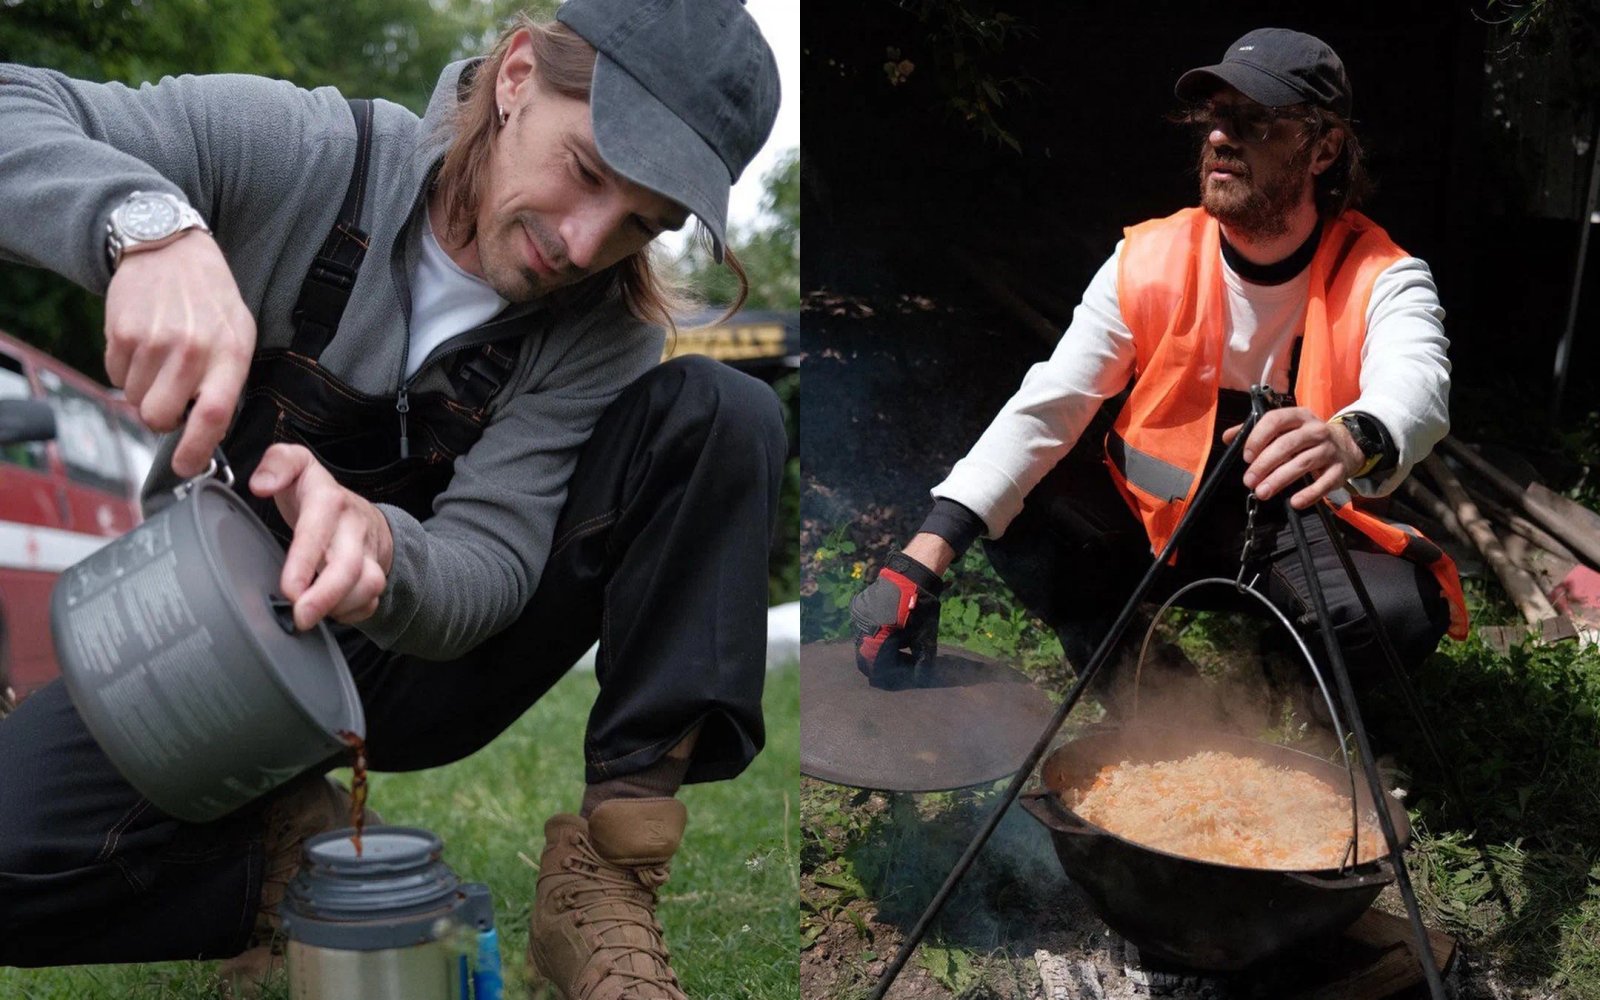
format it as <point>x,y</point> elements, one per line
<point>1293,442</point>
<point>177,330</point>
<point>896,620</point>
<point>339,557</point>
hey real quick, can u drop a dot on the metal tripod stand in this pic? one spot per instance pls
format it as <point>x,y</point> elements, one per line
<point>1230,465</point>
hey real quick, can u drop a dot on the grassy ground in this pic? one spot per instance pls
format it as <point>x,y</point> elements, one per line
<point>1510,867</point>
<point>730,910</point>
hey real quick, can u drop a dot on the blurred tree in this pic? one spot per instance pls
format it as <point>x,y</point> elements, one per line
<point>392,49</point>
<point>770,253</point>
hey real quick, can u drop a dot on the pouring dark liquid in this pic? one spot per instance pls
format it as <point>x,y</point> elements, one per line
<point>358,787</point>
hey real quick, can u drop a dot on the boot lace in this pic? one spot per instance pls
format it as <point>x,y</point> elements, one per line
<point>608,900</point>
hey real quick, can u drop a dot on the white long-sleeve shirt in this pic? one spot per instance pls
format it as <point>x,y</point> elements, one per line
<point>1405,379</point>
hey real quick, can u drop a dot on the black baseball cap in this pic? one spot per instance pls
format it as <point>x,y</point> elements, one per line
<point>1275,67</point>
<point>685,93</point>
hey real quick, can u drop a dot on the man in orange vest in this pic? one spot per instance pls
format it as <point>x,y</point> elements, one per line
<point>1273,280</point>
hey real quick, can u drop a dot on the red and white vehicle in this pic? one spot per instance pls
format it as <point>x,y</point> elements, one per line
<point>60,499</point>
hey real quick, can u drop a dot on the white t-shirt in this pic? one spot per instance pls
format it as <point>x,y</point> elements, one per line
<point>1405,379</point>
<point>445,301</point>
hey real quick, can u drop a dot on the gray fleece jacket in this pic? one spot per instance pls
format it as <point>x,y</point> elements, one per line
<point>266,163</point>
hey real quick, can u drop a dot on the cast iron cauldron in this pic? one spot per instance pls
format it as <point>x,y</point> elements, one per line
<point>1198,914</point>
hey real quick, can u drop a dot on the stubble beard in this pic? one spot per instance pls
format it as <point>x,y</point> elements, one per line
<point>1255,205</point>
<point>506,269</point>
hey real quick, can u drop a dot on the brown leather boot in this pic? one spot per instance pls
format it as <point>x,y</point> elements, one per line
<point>300,811</point>
<point>594,934</point>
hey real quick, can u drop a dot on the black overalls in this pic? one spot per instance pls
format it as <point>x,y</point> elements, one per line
<point>660,554</point>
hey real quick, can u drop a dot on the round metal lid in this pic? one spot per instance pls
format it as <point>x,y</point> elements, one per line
<point>247,561</point>
<point>385,850</point>
<point>967,720</point>
<point>393,895</point>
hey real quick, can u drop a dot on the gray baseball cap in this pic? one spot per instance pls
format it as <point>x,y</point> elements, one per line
<point>685,93</point>
<point>1275,67</point>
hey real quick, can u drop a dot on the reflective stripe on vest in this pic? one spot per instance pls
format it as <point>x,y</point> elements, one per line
<point>1171,294</point>
<point>1149,473</point>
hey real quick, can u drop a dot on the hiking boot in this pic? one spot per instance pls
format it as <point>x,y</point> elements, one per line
<point>594,934</point>
<point>305,809</point>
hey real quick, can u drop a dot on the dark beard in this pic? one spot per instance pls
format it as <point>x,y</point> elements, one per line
<point>1254,205</point>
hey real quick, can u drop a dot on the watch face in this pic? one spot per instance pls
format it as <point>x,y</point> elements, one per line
<point>149,218</point>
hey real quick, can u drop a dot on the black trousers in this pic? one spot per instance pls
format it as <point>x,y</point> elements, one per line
<point>1075,553</point>
<point>660,554</point>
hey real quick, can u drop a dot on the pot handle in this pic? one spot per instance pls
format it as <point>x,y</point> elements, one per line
<point>1046,807</point>
<point>158,500</point>
<point>1346,879</point>
<point>1272,610</point>
<point>282,612</point>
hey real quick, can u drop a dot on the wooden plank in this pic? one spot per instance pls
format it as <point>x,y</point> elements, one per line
<point>1375,959</point>
<point>1519,585</point>
<point>1576,525</point>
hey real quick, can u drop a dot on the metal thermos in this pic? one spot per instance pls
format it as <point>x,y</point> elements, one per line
<point>393,923</point>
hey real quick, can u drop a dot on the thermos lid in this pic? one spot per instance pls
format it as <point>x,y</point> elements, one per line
<point>394,895</point>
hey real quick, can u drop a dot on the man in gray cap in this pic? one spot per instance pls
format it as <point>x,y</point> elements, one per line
<point>445,333</point>
<point>1273,280</point>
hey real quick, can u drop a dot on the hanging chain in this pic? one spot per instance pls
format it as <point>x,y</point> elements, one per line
<point>1248,553</point>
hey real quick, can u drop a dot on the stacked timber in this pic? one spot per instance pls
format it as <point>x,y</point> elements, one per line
<point>1542,547</point>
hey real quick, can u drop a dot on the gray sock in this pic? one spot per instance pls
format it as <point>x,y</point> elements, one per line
<point>660,779</point>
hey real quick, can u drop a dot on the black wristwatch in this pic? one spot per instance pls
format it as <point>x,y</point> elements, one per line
<point>1371,437</point>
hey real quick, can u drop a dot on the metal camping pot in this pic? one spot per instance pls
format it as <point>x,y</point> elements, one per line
<point>185,664</point>
<point>1201,914</point>
<point>390,923</point>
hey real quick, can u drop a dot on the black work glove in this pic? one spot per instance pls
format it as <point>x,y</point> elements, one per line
<point>896,621</point>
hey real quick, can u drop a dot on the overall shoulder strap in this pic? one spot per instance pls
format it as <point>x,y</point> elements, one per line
<point>326,289</point>
<point>481,374</point>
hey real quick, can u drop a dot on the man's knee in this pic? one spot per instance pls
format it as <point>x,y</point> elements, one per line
<point>729,391</point>
<point>1413,619</point>
<point>736,412</point>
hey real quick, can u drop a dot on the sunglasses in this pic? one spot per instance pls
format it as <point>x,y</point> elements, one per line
<point>1245,122</point>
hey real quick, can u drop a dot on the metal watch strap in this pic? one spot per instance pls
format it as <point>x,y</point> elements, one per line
<point>188,218</point>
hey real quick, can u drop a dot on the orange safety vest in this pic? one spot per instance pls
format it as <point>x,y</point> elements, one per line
<point>1170,289</point>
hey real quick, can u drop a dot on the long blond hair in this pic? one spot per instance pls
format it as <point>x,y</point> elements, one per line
<point>564,63</point>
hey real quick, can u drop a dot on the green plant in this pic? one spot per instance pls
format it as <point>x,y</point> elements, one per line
<point>979,612</point>
<point>965,41</point>
<point>952,968</point>
<point>832,577</point>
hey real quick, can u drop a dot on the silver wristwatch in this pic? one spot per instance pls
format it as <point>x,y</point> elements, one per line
<point>147,220</point>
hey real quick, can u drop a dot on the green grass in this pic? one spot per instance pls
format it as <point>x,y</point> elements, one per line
<point>730,910</point>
